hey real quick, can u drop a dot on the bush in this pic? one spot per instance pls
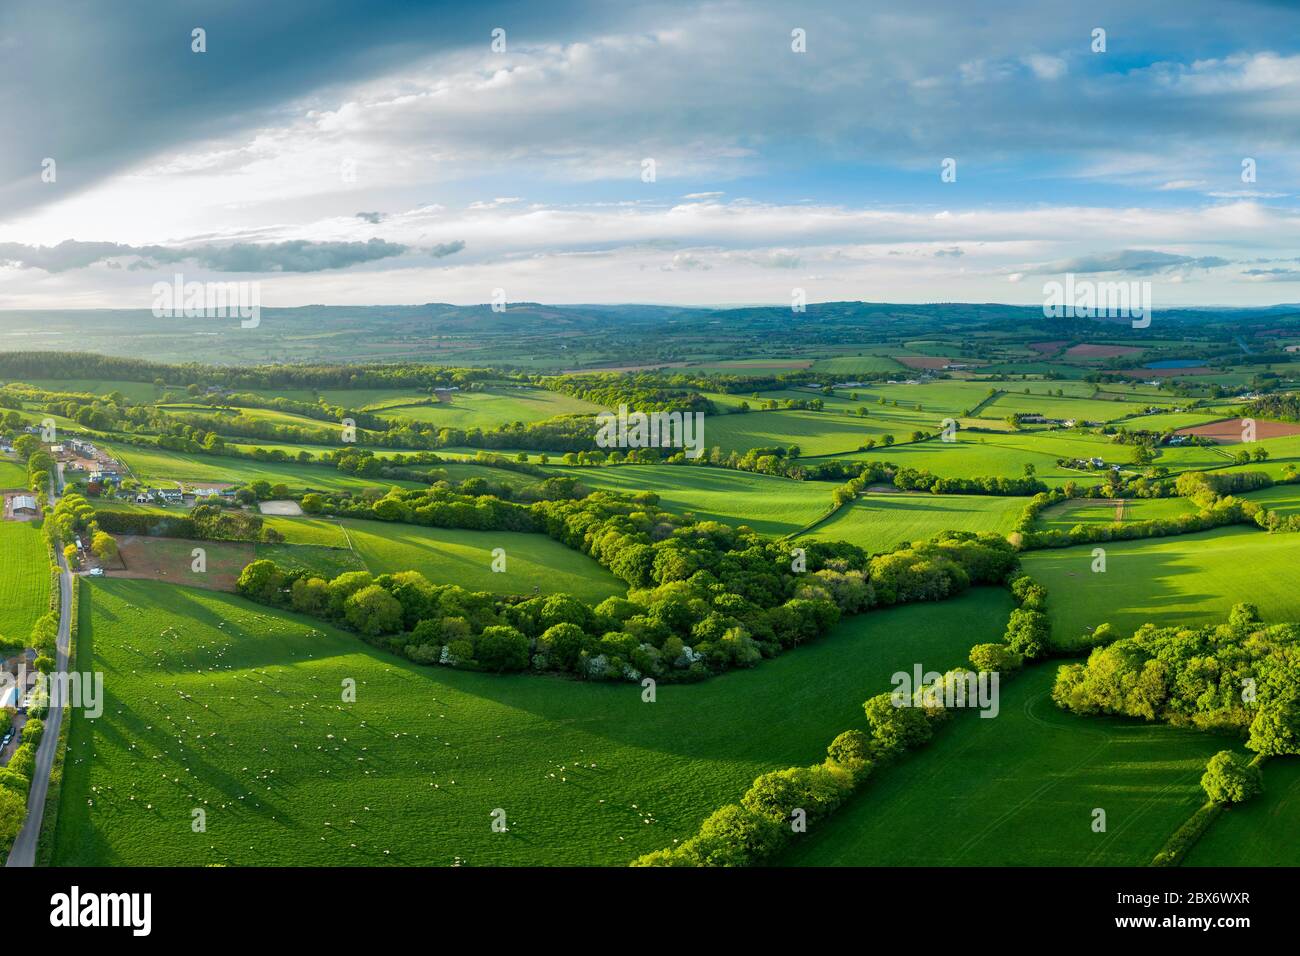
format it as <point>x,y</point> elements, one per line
<point>373,611</point>
<point>895,728</point>
<point>995,658</point>
<point>502,649</point>
<point>33,731</point>
<point>851,751</point>
<point>562,644</point>
<point>1230,779</point>
<point>23,761</point>
<point>12,780</point>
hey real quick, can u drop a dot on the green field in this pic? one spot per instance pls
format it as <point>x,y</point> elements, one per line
<point>160,466</point>
<point>1056,407</point>
<point>816,433</point>
<point>1087,511</point>
<point>134,391</point>
<point>490,408</point>
<point>12,474</point>
<point>1263,832</point>
<point>1284,499</point>
<point>454,556</point>
<point>1020,789</point>
<point>217,704</point>
<point>878,522</point>
<point>25,581</point>
<point>765,503</point>
<point>320,560</point>
<point>1192,579</point>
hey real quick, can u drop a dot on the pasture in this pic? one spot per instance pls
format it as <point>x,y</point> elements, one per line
<point>490,408</point>
<point>1262,832</point>
<point>878,522</point>
<point>1089,511</point>
<point>213,703</point>
<point>13,474</point>
<point>1187,579</point>
<point>765,503</point>
<point>25,581</point>
<point>1019,789</point>
<point>534,562</point>
<point>158,466</point>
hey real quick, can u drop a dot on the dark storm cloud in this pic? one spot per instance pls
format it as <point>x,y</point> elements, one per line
<point>97,86</point>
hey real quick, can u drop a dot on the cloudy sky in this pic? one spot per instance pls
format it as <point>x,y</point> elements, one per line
<point>394,152</point>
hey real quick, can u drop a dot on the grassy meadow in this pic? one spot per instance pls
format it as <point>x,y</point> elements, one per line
<point>1187,579</point>
<point>1019,789</point>
<point>878,522</point>
<point>213,703</point>
<point>534,562</point>
<point>25,582</point>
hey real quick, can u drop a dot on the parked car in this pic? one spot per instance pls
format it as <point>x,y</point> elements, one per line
<point>96,572</point>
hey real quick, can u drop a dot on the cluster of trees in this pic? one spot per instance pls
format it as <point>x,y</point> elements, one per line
<point>1029,632</point>
<point>643,392</point>
<point>16,781</point>
<point>918,479</point>
<point>85,365</point>
<point>619,639</point>
<point>1239,677</point>
<point>204,522</point>
<point>1279,406</point>
<point>703,597</point>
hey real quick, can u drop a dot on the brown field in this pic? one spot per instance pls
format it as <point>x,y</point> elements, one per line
<point>171,560</point>
<point>1228,431</point>
<point>1047,348</point>
<point>1100,351</point>
<point>931,361</point>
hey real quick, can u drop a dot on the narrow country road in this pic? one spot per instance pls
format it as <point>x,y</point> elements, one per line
<point>24,848</point>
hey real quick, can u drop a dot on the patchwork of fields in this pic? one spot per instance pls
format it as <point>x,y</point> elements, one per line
<point>220,704</point>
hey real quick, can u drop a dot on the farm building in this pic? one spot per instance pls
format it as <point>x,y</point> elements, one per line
<point>24,505</point>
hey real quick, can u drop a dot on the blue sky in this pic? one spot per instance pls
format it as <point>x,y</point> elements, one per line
<point>386,152</point>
